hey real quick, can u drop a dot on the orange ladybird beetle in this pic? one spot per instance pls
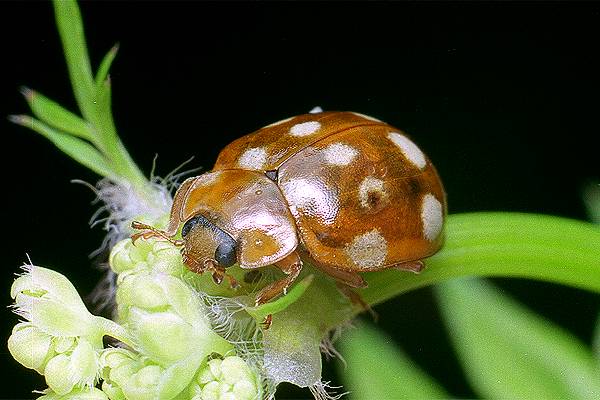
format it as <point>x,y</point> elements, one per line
<point>341,190</point>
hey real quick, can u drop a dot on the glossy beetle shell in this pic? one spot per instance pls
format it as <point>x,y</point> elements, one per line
<point>354,193</point>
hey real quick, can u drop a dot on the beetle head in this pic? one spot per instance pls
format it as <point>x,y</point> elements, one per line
<point>206,246</point>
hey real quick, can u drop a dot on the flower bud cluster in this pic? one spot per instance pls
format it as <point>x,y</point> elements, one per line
<point>226,379</point>
<point>61,338</point>
<point>162,321</point>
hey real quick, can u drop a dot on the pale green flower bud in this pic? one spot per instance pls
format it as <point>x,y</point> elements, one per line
<point>76,368</point>
<point>77,394</point>
<point>51,303</point>
<point>151,254</point>
<point>129,376</point>
<point>167,318</point>
<point>120,258</point>
<point>227,379</point>
<point>118,365</point>
<point>30,346</point>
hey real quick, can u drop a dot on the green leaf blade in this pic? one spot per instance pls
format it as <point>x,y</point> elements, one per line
<point>70,28</point>
<point>591,198</point>
<point>56,116</point>
<point>508,351</point>
<point>505,244</point>
<point>105,65</point>
<point>80,150</point>
<point>376,369</point>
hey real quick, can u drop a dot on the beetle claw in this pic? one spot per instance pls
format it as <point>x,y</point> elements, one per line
<point>217,277</point>
<point>266,324</point>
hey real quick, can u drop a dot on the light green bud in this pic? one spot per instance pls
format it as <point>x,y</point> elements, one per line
<point>146,254</point>
<point>166,258</point>
<point>63,344</point>
<point>163,336</point>
<point>112,391</point>
<point>227,379</point>
<point>118,365</point>
<point>30,346</point>
<point>58,375</point>
<point>77,394</point>
<point>120,258</point>
<point>141,290</point>
<point>51,303</point>
<point>167,318</point>
<point>114,357</point>
<point>77,368</point>
<point>143,384</point>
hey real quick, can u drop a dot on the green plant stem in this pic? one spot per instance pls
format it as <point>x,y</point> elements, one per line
<point>504,244</point>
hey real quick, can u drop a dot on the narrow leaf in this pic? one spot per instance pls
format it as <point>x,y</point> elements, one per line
<point>105,65</point>
<point>509,352</point>
<point>591,198</point>
<point>120,160</point>
<point>596,340</point>
<point>376,369</point>
<point>70,28</point>
<point>506,244</point>
<point>80,150</point>
<point>55,115</point>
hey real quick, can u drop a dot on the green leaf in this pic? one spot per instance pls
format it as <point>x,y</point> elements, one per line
<point>596,340</point>
<point>56,116</point>
<point>591,198</point>
<point>506,244</point>
<point>70,28</point>
<point>509,352</point>
<point>79,150</point>
<point>376,369</point>
<point>105,65</point>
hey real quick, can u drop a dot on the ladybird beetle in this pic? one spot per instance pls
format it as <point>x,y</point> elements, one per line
<point>344,191</point>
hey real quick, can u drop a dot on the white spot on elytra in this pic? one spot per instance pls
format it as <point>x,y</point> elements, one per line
<point>366,117</point>
<point>311,197</point>
<point>316,110</point>
<point>305,128</point>
<point>339,154</point>
<point>254,158</point>
<point>283,121</point>
<point>432,217</point>
<point>368,250</point>
<point>368,187</point>
<point>206,179</point>
<point>409,149</point>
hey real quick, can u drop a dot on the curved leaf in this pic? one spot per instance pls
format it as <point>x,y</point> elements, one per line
<point>78,149</point>
<point>509,352</point>
<point>53,114</point>
<point>376,369</point>
<point>505,244</point>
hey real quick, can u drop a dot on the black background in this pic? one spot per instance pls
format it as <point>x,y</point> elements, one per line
<point>504,98</point>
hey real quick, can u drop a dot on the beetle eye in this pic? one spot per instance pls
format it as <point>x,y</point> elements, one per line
<point>225,252</point>
<point>187,227</point>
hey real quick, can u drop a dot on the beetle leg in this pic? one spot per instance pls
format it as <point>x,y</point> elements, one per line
<point>412,266</point>
<point>291,266</point>
<point>356,299</point>
<point>266,324</point>
<point>218,273</point>
<point>345,281</point>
